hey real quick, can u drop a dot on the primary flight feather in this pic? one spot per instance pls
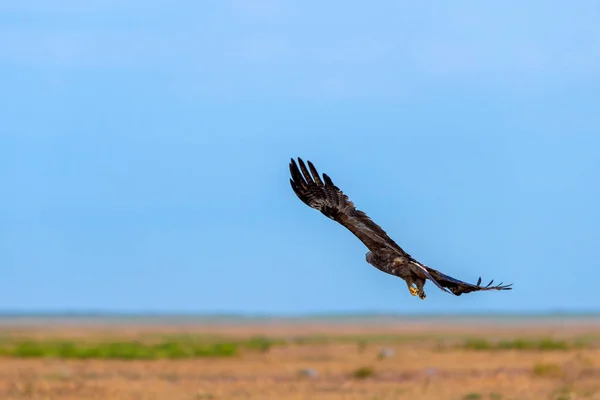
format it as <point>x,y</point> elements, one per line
<point>384,253</point>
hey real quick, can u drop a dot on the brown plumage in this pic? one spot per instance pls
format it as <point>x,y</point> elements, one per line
<point>384,253</point>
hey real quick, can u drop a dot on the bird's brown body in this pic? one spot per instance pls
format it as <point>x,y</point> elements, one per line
<point>384,253</point>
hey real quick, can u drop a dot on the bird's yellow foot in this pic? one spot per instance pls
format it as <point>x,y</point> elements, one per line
<point>413,290</point>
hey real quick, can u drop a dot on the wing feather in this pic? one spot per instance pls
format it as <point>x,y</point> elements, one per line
<point>459,287</point>
<point>314,173</point>
<point>326,197</point>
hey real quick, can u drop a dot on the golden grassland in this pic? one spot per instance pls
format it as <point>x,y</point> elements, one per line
<point>301,361</point>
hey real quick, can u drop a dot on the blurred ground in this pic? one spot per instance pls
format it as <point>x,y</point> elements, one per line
<point>321,360</point>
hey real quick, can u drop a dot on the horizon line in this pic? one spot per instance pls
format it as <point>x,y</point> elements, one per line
<point>291,315</point>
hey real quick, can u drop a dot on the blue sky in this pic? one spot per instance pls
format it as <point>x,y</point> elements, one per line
<point>144,152</point>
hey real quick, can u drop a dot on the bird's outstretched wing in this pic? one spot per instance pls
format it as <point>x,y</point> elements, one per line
<point>324,196</point>
<point>459,287</point>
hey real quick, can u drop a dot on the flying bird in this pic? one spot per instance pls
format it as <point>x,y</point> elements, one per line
<point>384,253</point>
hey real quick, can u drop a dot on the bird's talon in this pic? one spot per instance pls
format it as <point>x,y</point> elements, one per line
<point>413,290</point>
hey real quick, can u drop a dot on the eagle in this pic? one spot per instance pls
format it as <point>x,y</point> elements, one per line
<point>384,254</point>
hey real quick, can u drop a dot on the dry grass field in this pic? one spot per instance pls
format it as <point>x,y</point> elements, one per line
<point>312,360</point>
